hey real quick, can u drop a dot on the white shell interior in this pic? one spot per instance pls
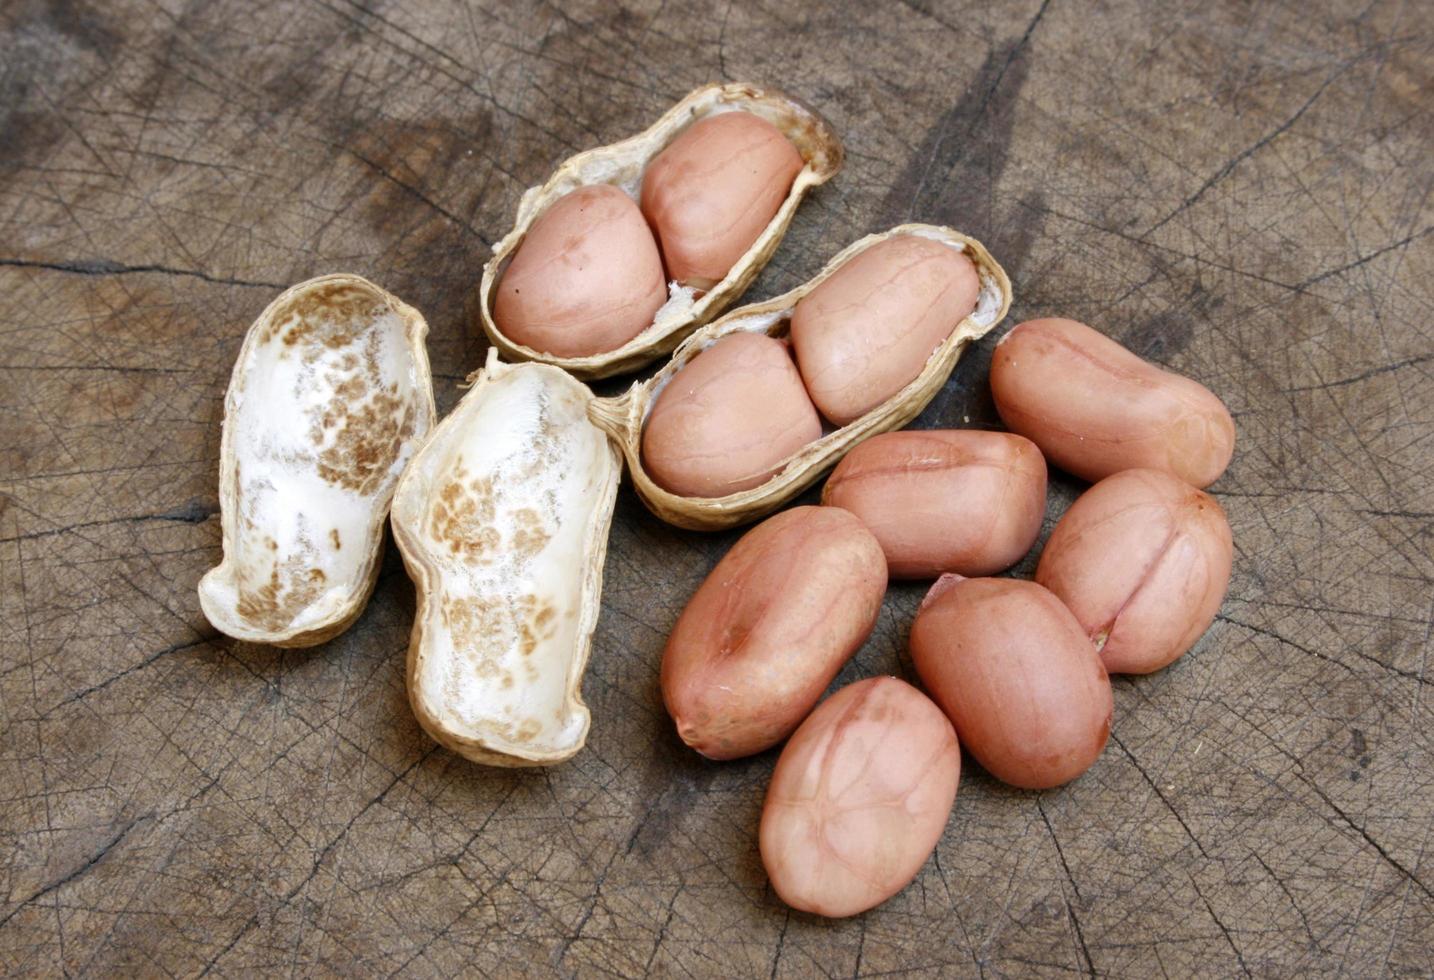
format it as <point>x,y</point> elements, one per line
<point>505,510</point>
<point>325,408</point>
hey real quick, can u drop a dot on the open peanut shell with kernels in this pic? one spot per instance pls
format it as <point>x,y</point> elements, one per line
<point>628,294</point>
<point>627,417</point>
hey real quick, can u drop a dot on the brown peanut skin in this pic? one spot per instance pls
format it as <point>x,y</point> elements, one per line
<point>712,192</point>
<point>1016,675</point>
<point>1143,561</point>
<point>1095,408</point>
<point>859,798</point>
<point>729,419</point>
<point>767,631</point>
<point>868,330</point>
<point>585,280</point>
<point>944,500</point>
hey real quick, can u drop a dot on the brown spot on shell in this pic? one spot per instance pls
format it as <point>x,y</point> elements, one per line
<point>274,602</point>
<point>463,516</point>
<point>475,623</point>
<point>484,630</point>
<point>324,314</point>
<point>531,534</point>
<point>367,444</point>
<point>537,625</point>
<point>350,388</point>
<point>359,432</point>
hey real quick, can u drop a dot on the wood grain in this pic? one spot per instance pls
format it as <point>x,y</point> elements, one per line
<point>1239,191</point>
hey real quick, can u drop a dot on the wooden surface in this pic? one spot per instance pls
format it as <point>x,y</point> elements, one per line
<point>1239,191</point>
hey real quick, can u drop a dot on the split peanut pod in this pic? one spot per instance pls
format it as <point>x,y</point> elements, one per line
<point>502,519</point>
<point>626,417</point>
<point>598,272</point>
<point>330,395</point>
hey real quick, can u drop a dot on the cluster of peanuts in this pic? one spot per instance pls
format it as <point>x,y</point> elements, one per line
<point>1017,671</point>
<point>1132,575</point>
<point>593,270</point>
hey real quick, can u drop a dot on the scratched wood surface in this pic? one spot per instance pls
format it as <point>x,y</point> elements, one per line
<point>1239,191</point>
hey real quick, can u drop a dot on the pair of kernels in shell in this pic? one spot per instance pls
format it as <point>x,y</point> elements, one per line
<point>592,272</point>
<point>731,418</point>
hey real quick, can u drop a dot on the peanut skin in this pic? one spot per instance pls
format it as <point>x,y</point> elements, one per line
<point>1095,408</point>
<point>586,279</point>
<point>767,631</point>
<point>1143,561</point>
<point>712,192</point>
<point>868,330</point>
<point>729,419</point>
<point>859,798</point>
<point>1014,672</point>
<point>944,500</point>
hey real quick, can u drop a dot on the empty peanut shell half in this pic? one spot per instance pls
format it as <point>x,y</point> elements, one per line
<point>682,308</point>
<point>502,519</point>
<point>626,416</point>
<point>329,398</point>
